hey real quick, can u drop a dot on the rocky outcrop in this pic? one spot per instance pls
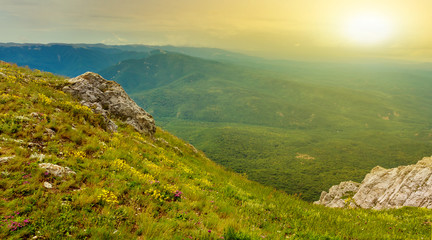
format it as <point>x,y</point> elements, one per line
<point>340,195</point>
<point>386,188</point>
<point>109,99</point>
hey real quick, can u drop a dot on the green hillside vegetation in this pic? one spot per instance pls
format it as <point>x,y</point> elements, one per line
<point>129,186</point>
<point>302,129</point>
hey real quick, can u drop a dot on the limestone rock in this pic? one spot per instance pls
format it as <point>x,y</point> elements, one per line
<point>339,195</point>
<point>5,159</point>
<point>51,133</point>
<point>391,188</point>
<point>109,99</point>
<point>56,170</point>
<point>40,157</point>
<point>47,185</point>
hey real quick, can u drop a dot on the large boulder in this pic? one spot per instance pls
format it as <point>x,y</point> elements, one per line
<point>109,99</point>
<point>390,188</point>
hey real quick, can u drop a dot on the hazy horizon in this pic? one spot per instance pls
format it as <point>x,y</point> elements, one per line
<point>310,29</point>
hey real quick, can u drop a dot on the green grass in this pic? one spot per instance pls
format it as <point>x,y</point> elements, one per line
<point>347,117</point>
<point>126,184</point>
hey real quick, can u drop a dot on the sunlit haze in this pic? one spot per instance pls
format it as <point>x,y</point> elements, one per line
<point>306,29</point>
<point>369,29</point>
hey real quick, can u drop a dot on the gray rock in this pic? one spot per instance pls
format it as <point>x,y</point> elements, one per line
<point>50,132</point>
<point>339,195</point>
<point>40,157</point>
<point>192,147</point>
<point>163,141</point>
<point>5,159</point>
<point>56,170</point>
<point>109,99</point>
<point>47,185</point>
<point>390,188</point>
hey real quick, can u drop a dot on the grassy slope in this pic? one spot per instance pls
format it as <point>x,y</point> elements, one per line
<point>125,183</point>
<point>348,118</point>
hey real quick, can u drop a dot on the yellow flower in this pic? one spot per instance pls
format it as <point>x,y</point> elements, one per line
<point>107,196</point>
<point>44,99</point>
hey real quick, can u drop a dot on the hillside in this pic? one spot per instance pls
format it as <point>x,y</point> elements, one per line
<point>126,185</point>
<point>302,130</point>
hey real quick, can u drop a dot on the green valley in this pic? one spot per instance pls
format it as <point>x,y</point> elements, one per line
<point>301,127</point>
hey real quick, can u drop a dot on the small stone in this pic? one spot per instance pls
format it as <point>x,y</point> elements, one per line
<point>163,141</point>
<point>47,185</point>
<point>56,170</point>
<point>22,118</point>
<point>35,114</point>
<point>178,150</point>
<point>192,147</point>
<point>6,159</point>
<point>40,157</point>
<point>50,132</point>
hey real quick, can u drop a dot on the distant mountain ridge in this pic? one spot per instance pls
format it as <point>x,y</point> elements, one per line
<point>74,59</point>
<point>64,59</point>
<point>157,70</point>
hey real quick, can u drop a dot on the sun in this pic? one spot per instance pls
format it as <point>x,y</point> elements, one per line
<point>368,28</point>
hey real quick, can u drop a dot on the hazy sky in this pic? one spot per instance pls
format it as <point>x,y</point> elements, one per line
<point>276,28</point>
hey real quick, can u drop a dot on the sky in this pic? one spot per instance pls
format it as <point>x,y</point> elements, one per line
<point>271,28</point>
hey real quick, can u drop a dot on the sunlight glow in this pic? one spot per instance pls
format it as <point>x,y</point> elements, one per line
<point>368,29</point>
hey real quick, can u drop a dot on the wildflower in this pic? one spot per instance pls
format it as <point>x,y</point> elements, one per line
<point>44,99</point>
<point>178,194</point>
<point>26,176</point>
<point>108,197</point>
<point>209,231</point>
